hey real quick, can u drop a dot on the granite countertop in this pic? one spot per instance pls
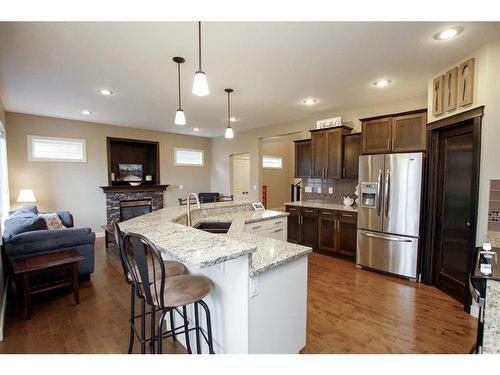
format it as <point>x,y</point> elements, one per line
<point>494,238</point>
<point>328,205</point>
<point>199,249</point>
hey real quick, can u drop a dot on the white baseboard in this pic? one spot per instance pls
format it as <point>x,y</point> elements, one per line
<point>99,234</point>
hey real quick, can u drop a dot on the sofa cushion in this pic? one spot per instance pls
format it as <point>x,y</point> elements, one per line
<point>53,221</point>
<point>28,208</point>
<point>22,222</point>
<point>66,218</point>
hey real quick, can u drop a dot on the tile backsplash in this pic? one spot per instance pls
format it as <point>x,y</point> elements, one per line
<point>320,189</point>
<point>494,208</point>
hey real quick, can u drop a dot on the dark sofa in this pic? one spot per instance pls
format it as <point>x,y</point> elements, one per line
<point>25,233</point>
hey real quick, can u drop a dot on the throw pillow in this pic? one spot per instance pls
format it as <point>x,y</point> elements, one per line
<point>53,221</point>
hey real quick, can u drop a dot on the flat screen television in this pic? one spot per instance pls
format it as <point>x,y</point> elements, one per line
<point>130,172</point>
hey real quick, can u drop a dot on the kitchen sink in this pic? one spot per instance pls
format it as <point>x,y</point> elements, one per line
<point>213,227</point>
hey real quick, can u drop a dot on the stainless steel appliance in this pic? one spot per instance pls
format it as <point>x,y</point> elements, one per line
<point>389,212</point>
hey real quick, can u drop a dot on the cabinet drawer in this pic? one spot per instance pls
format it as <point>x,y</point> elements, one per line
<point>348,216</point>
<point>293,209</point>
<point>266,224</point>
<point>309,211</point>
<point>328,213</point>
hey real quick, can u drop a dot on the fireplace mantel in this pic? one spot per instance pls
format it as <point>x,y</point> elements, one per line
<point>130,188</point>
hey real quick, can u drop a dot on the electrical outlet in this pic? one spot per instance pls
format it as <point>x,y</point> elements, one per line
<point>330,190</point>
<point>181,187</point>
<point>308,189</point>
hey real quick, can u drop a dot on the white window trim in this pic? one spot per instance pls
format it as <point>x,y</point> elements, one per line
<point>189,165</point>
<point>272,156</point>
<point>30,149</point>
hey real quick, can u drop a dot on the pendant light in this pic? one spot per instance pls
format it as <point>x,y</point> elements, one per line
<point>180,119</point>
<point>200,83</point>
<point>229,130</point>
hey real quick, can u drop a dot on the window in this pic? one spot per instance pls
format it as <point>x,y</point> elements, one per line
<point>56,149</point>
<point>273,162</point>
<point>189,158</point>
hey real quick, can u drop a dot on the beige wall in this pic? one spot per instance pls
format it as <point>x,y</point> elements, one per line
<point>2,113</point>
<point>277,180</point>
<point>487,93</point>
<point>75,186</point>
<point>249,141</point>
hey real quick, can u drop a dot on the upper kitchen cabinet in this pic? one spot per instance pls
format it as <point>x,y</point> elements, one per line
<point>400,132</point>
<point>303,163</point>
<point>351,152</point>
<point>326,146</point>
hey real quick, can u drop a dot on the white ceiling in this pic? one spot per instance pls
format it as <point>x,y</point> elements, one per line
<point>56,69</point>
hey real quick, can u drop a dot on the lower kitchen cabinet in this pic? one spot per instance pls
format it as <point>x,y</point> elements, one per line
<point>332,231</point>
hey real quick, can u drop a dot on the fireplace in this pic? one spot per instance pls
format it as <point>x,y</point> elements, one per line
<point>133,208</point>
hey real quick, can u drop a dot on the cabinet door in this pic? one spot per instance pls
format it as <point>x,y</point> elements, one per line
<point>334,153</point>
<point>408,132</point>
<point>327,231</point>
<point>303,163</point>
<point>293,224</point>
<point>347,233</point>
<point>376,135</point>
<point>309,227</point>
<point>318,147</point>
<point>352,150</point>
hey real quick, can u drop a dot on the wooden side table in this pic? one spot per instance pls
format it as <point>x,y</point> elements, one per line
<point>109,236</point>
<point>25,267</point>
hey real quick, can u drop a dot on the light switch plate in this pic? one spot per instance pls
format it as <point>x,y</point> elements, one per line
<point>330,190</point>
<point>309,189</point>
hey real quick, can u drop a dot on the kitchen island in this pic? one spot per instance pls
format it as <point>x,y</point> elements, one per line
<point>259,300</point>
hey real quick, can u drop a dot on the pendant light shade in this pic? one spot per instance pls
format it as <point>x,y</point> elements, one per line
<point>180,119</point>
<point>200,83</point>
<point>229,130</point>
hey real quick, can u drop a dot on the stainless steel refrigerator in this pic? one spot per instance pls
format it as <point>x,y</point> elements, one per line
<point>390,187</point>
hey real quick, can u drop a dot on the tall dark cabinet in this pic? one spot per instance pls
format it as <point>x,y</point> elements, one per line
<point>351,151</point>
<point>303,163</point>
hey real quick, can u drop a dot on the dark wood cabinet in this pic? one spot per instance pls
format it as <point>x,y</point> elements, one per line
<point>400,132</point>
<point>326,146</point>
<point>351,151</point>
<point>293,224</point>
<point>376,135</point>
<point>331,231</point>
<point>408,132</point>
<point>327,238</point>
<point>309,230</point>
<point>347,233</point>
<point>303,162</point>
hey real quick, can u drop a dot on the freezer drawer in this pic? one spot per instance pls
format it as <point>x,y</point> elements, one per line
<point>388,253</point>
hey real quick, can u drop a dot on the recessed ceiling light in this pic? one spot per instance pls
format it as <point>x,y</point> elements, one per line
<point>196,129</point>
<point>309,101</point>
<point>448,33</point>
<point>106,92</point>
<point>382,82</point>
<point>86,113</point>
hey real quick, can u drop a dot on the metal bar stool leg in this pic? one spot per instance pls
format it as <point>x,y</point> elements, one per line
<point>172,327</point>
<point>197,328</point>
<point>186,329</point>
<point>153,330</point>
<point>160,332</point>
<point>132,319</point>
<point>209,327</point>
<point>143,326</point>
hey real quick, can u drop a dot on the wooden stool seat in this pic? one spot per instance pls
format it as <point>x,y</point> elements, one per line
<point>183,290</point>
<point>172,268</point>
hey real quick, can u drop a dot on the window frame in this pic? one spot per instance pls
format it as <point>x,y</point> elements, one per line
<point>185,164</point>
<point>30,139</point>
<point>274,157</point>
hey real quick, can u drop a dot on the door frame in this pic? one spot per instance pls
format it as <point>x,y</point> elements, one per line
<point>428,274</point>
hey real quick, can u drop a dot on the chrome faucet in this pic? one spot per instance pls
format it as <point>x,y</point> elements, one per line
<point>189,206</point>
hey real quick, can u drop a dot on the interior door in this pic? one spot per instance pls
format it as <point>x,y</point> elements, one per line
<point>240,174</point>
<point>402,193</point>
<point>455,216</point>
<point>371,170</point>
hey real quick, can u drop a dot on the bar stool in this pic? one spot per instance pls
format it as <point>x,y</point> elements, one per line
<point>167,294</point>
<point>172,268</point>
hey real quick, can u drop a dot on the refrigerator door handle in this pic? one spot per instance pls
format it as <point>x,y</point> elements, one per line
<point>387,191</point>
<point>379,192</point>
<point>385,237</point>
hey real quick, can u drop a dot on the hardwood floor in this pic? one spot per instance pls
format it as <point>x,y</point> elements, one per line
<point>349,311</point>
